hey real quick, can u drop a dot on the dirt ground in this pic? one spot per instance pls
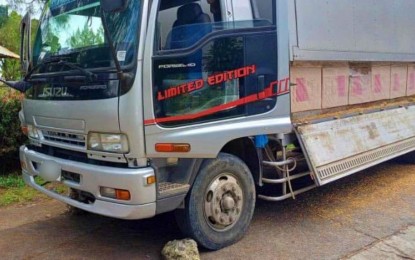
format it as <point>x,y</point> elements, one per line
<point>337,221</point>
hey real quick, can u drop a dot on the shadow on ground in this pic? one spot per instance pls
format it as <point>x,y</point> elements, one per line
<point>327,223</point>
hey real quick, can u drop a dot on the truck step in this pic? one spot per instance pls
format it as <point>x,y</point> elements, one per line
<point>286,196</point>
<point>167,189</point>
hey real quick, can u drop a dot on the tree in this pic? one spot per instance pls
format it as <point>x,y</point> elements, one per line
<point>86,37</point>
<point>10,38</point>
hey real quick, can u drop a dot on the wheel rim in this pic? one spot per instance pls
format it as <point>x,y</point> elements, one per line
<point>223,202</point>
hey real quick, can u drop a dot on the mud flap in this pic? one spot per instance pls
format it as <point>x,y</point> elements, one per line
<point>337,148</point>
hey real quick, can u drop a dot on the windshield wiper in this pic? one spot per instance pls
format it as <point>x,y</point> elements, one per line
<point>61,61</point>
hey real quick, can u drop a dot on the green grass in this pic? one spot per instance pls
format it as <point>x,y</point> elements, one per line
<point>18,196</point>
<point>13,190</point>
<point>11,181</point>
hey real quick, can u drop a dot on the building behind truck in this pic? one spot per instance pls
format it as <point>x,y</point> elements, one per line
<point>201,109</point>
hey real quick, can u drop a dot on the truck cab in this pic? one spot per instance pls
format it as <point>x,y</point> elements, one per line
<point>128,100</point>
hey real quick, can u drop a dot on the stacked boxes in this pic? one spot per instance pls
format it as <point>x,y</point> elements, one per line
<point>306,93</point>
<point>360,84</point>
<point>335,85</point>
<point>398,81</point>
<point>324,85</point>
<point>381,82</point>
<point>411,80</point>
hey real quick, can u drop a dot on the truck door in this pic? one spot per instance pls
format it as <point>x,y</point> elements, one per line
<point>213,60</point>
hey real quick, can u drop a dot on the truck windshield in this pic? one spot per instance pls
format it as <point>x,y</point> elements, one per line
<point>72,31</point>
<point>74,28</point>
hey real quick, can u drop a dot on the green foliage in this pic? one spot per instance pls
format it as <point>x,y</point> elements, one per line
<point>86,37</point>
<point>19,195</point>
<point>14,190</point>
<point>10,134</point>
<point>10,32</point>
<point>10,38</point>
<point>11,181</point>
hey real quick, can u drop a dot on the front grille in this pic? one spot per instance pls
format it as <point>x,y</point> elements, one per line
<point>64,138</point>
<point>73,156</point>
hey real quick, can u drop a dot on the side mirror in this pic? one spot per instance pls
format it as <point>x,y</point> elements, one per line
<point>113,6</point>
<point>21,86</point>
<point>25,44</point>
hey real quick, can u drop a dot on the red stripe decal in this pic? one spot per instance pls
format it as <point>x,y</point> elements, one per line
<point>268,92</point>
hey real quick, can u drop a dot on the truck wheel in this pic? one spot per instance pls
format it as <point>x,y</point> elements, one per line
<point>221,203</point>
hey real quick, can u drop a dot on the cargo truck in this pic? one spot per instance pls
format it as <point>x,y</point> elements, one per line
<point>202,107</point>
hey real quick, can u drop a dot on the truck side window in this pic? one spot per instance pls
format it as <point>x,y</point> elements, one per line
<point>181,26</point>
<point>210,63</point>
<point>253,14</point>
<point>264,10</point>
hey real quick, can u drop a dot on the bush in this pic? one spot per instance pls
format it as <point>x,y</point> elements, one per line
<point>11,135</point>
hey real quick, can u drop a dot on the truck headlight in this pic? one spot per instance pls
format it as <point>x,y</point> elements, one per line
<point>32,132</point>
<point>112,143</point>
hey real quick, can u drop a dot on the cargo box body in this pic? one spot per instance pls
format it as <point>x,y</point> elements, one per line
<point>347,53</point>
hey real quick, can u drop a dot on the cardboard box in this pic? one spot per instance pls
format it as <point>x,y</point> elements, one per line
<point>381,82</point>
<point>398,81</point>
<point>360,87</point>
<point>306,92</point>
<point>410,91</point>
<point>335,86</point>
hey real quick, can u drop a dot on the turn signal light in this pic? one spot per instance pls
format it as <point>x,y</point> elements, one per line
<point>122,194</point>
<point>173,148</point>
<point>115,193</point>
<point>151,180</point>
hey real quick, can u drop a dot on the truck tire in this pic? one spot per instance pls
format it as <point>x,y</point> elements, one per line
<point>221,203</point>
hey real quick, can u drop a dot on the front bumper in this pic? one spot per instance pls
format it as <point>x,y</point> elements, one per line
<point>92,177</point>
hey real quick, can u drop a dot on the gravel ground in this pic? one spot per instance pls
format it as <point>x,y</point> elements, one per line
<point>341,220</point>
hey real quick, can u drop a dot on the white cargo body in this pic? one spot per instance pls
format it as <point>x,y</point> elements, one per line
<point>352,30</point>
<point>368,46</point>
<point>371,40</point>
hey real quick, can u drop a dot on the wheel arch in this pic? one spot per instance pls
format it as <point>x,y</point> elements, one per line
<point>245,149</point>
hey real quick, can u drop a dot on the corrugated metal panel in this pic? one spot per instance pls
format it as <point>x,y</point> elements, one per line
<point>375,30</point>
